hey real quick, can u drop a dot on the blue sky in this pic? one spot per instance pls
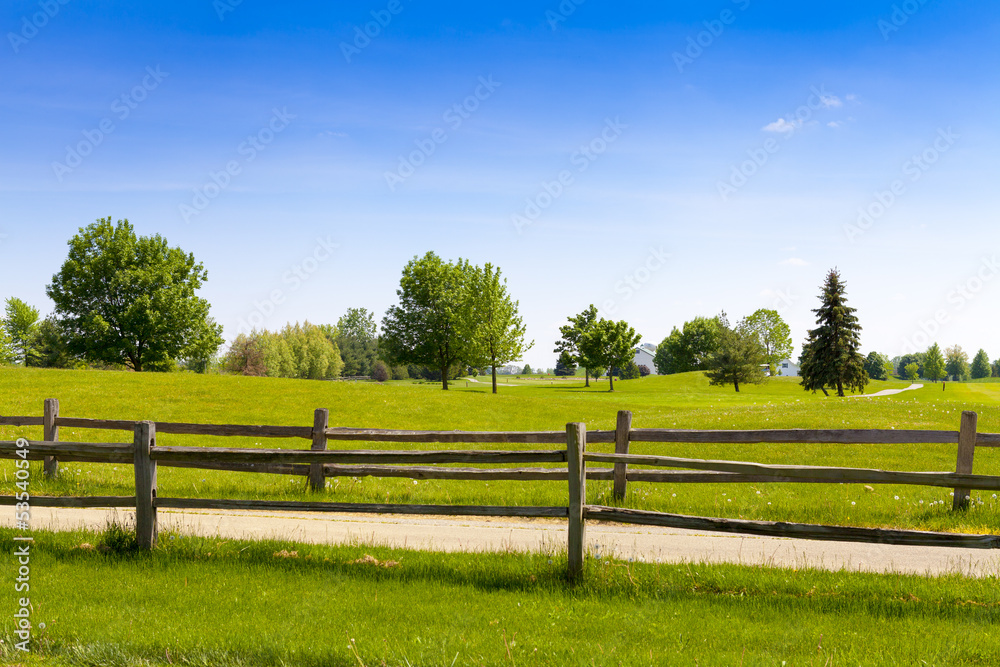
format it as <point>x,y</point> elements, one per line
<point>713,155</point>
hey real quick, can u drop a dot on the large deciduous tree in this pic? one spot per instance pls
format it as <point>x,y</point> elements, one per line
<point>572,334</point>
<point>123,299</point>
<point>830,356</point>
<point>494,327</point>
<point>609,344</point>
<point>981,365</point>
<point>957,363</point>
<point>774,335</point>
<point>427,326</point>
<point>934,365</point>
<point>877,366</point>
<point>21,322</point>
<point>688,349</point>
<point>739,357</point>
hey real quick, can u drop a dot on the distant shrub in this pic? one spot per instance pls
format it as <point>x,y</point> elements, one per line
<point>400,373</point>
<point>643,370</point>
<point>380,372</point>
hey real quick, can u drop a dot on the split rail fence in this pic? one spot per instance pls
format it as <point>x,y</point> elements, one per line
<point>318,462</point>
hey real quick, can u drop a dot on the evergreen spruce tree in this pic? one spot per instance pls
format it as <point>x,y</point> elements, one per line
<point>830,357</point>
<point>981,365</point>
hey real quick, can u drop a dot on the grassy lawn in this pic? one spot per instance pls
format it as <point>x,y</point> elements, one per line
<point>199,601</point>
<point>684,401</point>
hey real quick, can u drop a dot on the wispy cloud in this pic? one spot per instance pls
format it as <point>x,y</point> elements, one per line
<point>782,126</point>
<point>794,261</point>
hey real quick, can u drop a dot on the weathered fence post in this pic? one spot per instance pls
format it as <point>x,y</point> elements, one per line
<point>966,451</point>
<point>622,430</point>
<point>321,420</point>
<point>51,434</point>
<point>576,445</point>
<point>145,485</point>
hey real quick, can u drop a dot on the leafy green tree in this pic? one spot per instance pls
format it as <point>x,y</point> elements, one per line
<point>6,347</point>
<point>21,322</point>
<point>876,365</point>
<point>911,372</point>
<point>996,368</point>
<point>830,356</point>
<point>688,349</point>
<point>572,333</point>
<point>123,299</point>
<point>400,373</point>
<point>609,344</point>
<point>908,359</point>
<point>934,366</point>
<point>493,326</point>
<point>740,355</point>
<point>980,365</point>
<point>356,335</point>
<point>49,349</point>
<point>527,370</point>
<point>957,363</point>
<point>774,335</point>
<point>565,365</point>
<point>427,327</point>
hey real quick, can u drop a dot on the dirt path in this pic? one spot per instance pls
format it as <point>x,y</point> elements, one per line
<point>889,392</point>
<point>476,534</point>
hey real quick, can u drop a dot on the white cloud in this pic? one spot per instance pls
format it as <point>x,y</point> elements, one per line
<point>829,101</point>
<point>794,261</point>
<point>331,133</point>
<point>782,126</point>
<point>835,124</point>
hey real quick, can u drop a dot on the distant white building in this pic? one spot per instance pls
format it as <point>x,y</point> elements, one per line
<point>644,357</point>
<point>788,368</point>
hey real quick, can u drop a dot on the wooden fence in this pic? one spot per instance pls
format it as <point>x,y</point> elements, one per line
<point>318,462</point>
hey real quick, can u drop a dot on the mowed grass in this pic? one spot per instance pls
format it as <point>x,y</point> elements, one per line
<point>683,401</point>
<point>203,601</point>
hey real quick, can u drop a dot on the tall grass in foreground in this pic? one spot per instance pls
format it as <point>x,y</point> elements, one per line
<point>208,601</point>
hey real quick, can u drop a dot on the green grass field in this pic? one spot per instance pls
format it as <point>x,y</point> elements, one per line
<point>684,401</point>
<point>200,601</point>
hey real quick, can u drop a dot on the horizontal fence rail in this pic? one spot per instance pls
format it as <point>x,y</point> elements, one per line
<point>219,455</point>
<point>571,461</point>
<point>824,473</point>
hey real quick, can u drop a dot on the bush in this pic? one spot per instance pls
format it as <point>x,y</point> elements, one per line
<point>119,538</point>
<point>644,370</point>
<point>380,372</point>
<point>628,372</point>
<point>400,373</point>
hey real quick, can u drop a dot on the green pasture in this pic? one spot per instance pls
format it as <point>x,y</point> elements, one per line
<point>682,401</point>
<point>204,601</point>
